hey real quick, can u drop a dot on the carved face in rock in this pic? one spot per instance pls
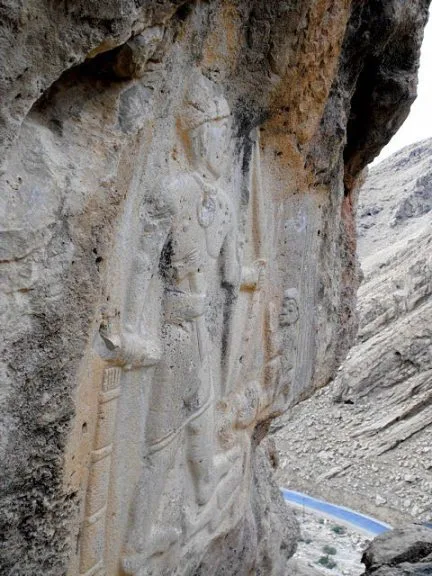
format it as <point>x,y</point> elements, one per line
<point>205,118</point>
<point>210,143</point>
<point>289,313</point>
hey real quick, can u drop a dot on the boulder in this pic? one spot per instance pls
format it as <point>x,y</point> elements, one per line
<point>403,551</point>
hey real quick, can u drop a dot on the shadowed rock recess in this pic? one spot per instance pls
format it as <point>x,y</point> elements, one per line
<point>178,264</point>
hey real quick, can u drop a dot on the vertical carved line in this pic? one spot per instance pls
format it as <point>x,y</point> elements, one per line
<point>94,526</point>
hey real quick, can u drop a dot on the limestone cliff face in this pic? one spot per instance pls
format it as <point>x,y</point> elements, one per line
<point>178,264</point>
<point>368,435</point>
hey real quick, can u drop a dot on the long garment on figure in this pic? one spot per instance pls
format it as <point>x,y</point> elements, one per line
<point>182,383</point>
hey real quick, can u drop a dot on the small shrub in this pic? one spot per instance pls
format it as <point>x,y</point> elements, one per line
<point>329,550</point>
<point>321,521</point>
<point>338,529</point>
<point>327,562</point>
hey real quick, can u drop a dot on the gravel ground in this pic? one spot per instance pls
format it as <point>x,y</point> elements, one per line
<point>326,541</point>
<point>322,453</point>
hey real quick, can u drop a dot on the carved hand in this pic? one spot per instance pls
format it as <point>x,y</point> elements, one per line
<point>129,349</point>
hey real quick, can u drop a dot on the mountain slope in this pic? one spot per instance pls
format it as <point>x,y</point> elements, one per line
<point>366,440</point>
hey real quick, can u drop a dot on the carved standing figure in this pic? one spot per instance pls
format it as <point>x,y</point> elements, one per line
<point>188,236</point>
<point>286,339</point>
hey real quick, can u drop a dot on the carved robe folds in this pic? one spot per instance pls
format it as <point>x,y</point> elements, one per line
<point>190,478</point>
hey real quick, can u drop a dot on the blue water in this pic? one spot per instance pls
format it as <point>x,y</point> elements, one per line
<point>363,522</point>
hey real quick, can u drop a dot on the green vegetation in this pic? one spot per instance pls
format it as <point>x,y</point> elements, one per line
<point>338,529</point>
<point>327,562</point>
<point>329,550</point>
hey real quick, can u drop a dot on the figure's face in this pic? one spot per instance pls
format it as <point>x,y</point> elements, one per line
<point>210,145</point>
<point>289,313</point>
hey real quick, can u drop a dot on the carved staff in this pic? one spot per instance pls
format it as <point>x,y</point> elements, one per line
<point>94,527</point>
<point>258,234</point>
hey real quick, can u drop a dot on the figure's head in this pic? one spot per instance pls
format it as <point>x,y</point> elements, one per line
<point>206,123</point>
<point>289,313</point>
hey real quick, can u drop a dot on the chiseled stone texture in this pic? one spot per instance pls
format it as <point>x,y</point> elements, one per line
<point>178,264</point>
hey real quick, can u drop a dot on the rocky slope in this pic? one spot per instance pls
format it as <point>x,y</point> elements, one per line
<point>177,264</point>
<point>366,440</point>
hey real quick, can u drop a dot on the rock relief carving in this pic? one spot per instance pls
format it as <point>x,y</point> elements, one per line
<point>289,313</point>
<point>264,392</point>
<point>188,234</point>
<point>287,337</point>
<point>93,529</point>
<point>201,241</point>
<point>200,238</point>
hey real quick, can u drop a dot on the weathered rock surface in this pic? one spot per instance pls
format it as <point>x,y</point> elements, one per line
<point>369,435</point>
<point>403,551</point>
<point>178,264</point>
